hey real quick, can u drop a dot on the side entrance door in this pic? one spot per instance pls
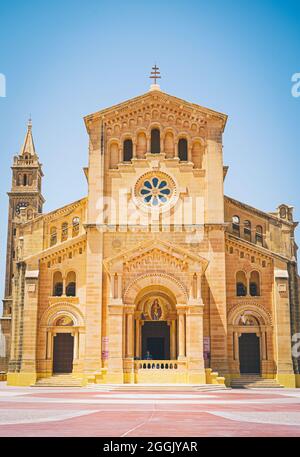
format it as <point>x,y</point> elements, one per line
<point>63,353</point>
<point>249,353</point>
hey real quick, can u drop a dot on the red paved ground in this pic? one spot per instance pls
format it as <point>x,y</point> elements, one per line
<point>50,412</point>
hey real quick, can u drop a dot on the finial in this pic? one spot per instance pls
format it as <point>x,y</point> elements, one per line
<point>155,74</point>
<point>29,125</point>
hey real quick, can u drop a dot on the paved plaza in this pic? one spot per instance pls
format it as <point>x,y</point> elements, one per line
<point>86,412</point>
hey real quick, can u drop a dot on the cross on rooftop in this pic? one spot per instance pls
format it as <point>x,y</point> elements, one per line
<point>155,73</point>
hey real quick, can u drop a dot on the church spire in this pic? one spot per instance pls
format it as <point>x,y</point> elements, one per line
<point>28,145</point>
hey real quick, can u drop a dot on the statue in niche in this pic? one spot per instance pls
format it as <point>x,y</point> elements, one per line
<point>156,310</point>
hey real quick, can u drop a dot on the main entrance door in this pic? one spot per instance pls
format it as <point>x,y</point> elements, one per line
<point>156,340</point>
<point>63,353</point>
<point>249,353</point>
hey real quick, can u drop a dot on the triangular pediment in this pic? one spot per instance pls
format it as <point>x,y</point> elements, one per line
<point>173,252</point>
<point>157,97</point>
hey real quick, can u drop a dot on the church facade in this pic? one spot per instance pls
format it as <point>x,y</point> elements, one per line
<point>155,276</point>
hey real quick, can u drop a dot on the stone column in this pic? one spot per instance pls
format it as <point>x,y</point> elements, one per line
<point>28,372</point>
<point>76,363</point>
<point>134,149</point>
<point>282,329</point>
<point>236,346</point>
<point>194,343</point>
<point>137,338</point>
<point>49,345</point>
<point>76,345</point>
<point>128,365</point>
<point>148,144</point>
<point>181,333</point>
<point>263,345</point>
<point>175,148</point>
<point>189,152</point>
<point>130,335</point>
<point>115,343</point>
<point>173,340</point>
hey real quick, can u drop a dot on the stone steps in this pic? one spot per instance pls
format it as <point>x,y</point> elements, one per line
<point>254,382</point>
<point>156,387</point>
<point>63,380</point>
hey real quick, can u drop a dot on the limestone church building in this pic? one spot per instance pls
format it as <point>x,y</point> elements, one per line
<point>155,276</point>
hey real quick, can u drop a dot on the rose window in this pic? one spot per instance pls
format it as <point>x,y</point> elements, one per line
<point>155,190</point>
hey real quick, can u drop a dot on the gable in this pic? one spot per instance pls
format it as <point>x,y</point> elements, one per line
<point>159,252</point>
<point>156,100</point>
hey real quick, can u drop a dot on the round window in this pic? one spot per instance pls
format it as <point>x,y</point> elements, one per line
<point>155,190</point>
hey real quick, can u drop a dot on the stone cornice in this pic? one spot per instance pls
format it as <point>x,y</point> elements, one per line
<point>64,209</point>
<point>232,239</point>
<point>260,213</point>
<point>58,249</point>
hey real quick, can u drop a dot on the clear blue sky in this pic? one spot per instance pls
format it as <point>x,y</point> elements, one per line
<point>65,59</point>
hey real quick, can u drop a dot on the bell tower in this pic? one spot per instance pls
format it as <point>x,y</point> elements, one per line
<point>25,203</point>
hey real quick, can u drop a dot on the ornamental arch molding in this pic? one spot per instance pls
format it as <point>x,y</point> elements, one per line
<point>155,280</point>
<point>60,310</point>
<point>262,315</point>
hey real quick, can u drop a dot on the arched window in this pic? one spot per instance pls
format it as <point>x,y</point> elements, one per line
<point>241,284</point>
<point>57,284</point>
<point>25,180</point>
<point>64,231</point>
<point>127,150</point>
<point>71,284</point>
<point>236,225</point>
<point>53,236</point>
<point>183,149</point>
<point>247,230</point>
<point>254,284</point>
<point>75,226</point>
<point>259,235</point>
<point>155,141</point>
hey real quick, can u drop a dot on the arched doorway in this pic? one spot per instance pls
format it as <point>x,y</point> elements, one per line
<point>155,326</point>
<point>250,340</point>
<point>249,344</point>
<point>63,346</point>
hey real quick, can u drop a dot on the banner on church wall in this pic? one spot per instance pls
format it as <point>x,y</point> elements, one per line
<point>105,347</point>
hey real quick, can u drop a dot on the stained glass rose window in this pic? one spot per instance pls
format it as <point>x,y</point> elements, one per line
<point>155,190</point>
